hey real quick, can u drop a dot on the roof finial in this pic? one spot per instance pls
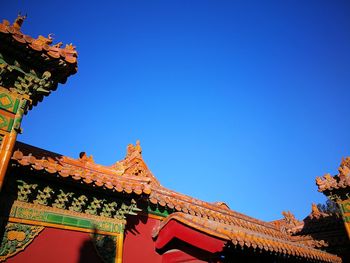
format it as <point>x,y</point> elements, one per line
<point>19,21</point>
<point>131,149</point>
<point>138,147</point>
<point>290,219</point>
<point>70,47</point>
<point>344,168</point>
<point>41,40</point>
<point>315,212</point>
<point>84,158</point>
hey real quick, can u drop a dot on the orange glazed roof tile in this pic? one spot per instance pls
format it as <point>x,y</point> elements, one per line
<point>339,181</point>
<point>117,177</point>
<point>39,50</point>
<point>211,211</point>
<point>248,238</point>
<point>41,44</point>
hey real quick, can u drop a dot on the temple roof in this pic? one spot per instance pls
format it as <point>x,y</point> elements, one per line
<point>318,230</point>
<point>249,238</point>
<point>13,35</point>
<point>212,211</point>
<point>33,66</point>
<point>122,176</point>
<point>339,181</point>
<point>131,175</point>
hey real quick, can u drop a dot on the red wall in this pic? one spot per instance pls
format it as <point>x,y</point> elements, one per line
<point>180,256</point>
<point>138,242</point>
<point>57,246</point>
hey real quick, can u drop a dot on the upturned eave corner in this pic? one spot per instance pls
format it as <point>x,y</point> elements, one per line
<point>33,67</point>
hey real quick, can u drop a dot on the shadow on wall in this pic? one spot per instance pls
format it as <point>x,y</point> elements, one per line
<point>105,246</point>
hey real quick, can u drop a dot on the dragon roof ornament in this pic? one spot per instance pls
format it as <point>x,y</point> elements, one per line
<point>339,181</point>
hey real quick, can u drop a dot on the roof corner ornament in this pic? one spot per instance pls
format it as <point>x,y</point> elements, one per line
<point>19,21</point>
<point>289,224</point>
<point>58,45</point>
<point>290,219</point>
<point>138,147</point>
<point>315,212</point>
<point>325,182</point>
<point>41,40</point>
<point>344,168</point>
<point>86,159</point>
<point>70,47</point>
<point>132,150</point>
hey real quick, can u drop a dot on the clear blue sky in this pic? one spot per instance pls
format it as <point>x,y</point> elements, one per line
<point>238,101</point>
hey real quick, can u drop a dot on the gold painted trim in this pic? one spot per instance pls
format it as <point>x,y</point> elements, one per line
<point>347,227</point>
<point>120,247</point>
<point>151,216</point>
<point>66,212</point>
<point>45,224</point>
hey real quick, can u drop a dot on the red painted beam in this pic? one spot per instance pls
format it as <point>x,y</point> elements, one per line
<point>174,229</point>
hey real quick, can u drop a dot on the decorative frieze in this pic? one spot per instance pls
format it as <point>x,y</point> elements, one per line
<point>16,237</point>
<point>52,215</point>
<point>74,201</point>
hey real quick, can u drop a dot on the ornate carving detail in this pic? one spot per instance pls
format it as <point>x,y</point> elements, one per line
<point>62,200</point>
<point>344,168</point>
<point>326,182</point>
<point>70,47</point>
<point>84,158</point>
<point>36,212</point>
<point>222,205</point>
<point>109,209</point>
<point>341,180</point>
<point>134,150</point>
<point>94,206</point>
<point>43,196</point>
<point>137,170</point>
<point>58,45</point>
<point>78,203</point>
<point>19,21</point>
<point>16,238</point>
<point>334,197</point>
<point>289,224</point>
<point>41,40</point>
<point>315,212</point>
<point>310,242</point>
<point>124,210</point>
<point>290,219</point>
<point>29,83</point>
<point>13,76</point>
<point>25,190</point>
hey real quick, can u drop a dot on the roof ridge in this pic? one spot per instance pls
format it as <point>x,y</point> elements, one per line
<point>68,53</point>
<point>213,207</point>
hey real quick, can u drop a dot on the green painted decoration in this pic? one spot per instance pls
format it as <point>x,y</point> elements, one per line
<point>40,202</point>
<point>27,82</point>
<point>16,237</point>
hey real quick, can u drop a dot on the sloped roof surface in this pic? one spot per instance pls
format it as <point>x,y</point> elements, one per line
<point>120,176</point>
<point>247,238</point>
